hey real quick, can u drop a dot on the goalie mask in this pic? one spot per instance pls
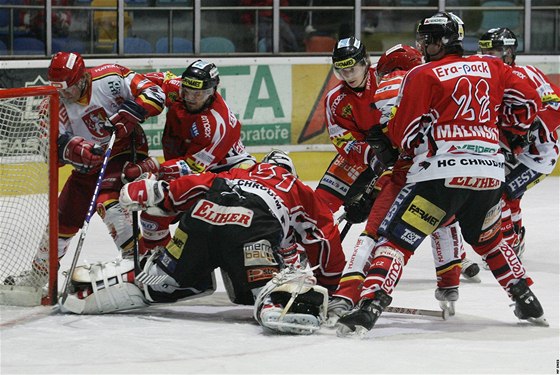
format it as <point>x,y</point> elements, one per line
<point>280,158</point>
<point>198,84</point>
<point>67,72</point>
<point>500,42</point>
<point>444,28</point>
<point>350,62</point>
<point>399,57</point>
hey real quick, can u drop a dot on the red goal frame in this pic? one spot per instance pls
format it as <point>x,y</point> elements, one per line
<point>54,105</point>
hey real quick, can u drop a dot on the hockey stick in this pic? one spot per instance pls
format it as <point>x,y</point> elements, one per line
<point>135,228</point>
<point>368,190</point>
<point>91,210</point>
<point>444,314</point>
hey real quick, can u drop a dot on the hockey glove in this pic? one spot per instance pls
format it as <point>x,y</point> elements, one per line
<point>143,194</point>
<point>358,207</point>
<point>127,117</point>
<point>132,171</point>
<point>382,146</point>
<point>173,169</point>
<point>83,155</point>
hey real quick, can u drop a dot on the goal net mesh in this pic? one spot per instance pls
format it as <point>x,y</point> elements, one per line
<point>25,199</point>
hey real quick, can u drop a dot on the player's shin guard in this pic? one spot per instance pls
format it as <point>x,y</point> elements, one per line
<point>504,264</point>
<point>447,249</point>
<point>355,270</point>
<point>385,271</point>
<point>119,224</point>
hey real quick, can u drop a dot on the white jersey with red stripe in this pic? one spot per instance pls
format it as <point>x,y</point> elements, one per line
<point>109,87</point>
<point>542,153</point>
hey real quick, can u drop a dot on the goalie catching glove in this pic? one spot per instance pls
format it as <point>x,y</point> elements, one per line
<point>125,120</point>
<point>291,303</point>
<point>145,195</point>
<point>83,155</point>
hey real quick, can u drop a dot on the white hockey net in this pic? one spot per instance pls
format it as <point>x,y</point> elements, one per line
<point>28,195</point>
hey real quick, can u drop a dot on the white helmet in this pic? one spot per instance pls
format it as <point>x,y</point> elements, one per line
<point>281,159</point>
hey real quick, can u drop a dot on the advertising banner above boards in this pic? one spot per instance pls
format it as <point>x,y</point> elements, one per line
<point>279,100</point>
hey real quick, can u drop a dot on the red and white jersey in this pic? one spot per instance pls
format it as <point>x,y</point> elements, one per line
<point>209,140</point>
<point>304,217</point>
<point>350,115</point>
<point>110,86</point>
<point>387,92</point>
<point>542,153</point>
<point>448,113</point>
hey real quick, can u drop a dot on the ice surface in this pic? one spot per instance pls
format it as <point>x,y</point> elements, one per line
<point>212,336</point>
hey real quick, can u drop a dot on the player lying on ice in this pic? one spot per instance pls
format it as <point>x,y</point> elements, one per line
<point>262,226</point>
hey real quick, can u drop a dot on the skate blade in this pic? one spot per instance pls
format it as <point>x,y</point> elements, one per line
<point>475,279</point>
<point>345,331</point>
<point>540,322</point>
<point>447,306</point>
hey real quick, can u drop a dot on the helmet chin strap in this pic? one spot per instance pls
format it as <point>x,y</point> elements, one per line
<point>428,56</point>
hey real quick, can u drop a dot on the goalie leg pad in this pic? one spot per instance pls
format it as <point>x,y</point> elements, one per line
<point>104,288</point>
<point>119,225</point>
<point>292,303</point>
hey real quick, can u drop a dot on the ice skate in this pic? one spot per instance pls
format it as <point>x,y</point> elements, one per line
<point>36,277</point>
<point>447,299</point>
<point>362,319</point>
<point>338,306</point>
<point>470,270</point>
<point>527,306</point>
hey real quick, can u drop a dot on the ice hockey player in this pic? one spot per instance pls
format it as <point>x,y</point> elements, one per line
<point>350,112</point>
<point>531,157</point>
<point>457,169</point>
<point>250,223</point>
<point>94,103</point>
<point>447,242</point>
<point>201,134</point>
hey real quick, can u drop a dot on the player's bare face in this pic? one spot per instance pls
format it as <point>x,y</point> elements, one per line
<point>73,93</point>
<point>195,100</point>
<point>504,54</point>
<point>354,76</point>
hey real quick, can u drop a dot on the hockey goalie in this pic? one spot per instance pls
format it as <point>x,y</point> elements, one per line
<point>275,243</point>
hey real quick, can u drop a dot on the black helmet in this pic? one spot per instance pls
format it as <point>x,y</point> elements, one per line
<point>200,75</point>
<point>500,38</point>
<point>445,26</point>
<point>348,52</point>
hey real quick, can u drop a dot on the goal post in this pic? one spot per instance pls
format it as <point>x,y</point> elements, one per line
<point>28,195</point>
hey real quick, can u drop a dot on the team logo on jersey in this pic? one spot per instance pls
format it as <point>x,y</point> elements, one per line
<point>176,245</point>
<point>194,130</point>
<point>215,214</point>
<point>423,215</point>
<point>263,273</point>
<point>473,183</point>
<point>460,69</point>
<point>94,121</point>
<point>347,111</point>
<point>259,254</point>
